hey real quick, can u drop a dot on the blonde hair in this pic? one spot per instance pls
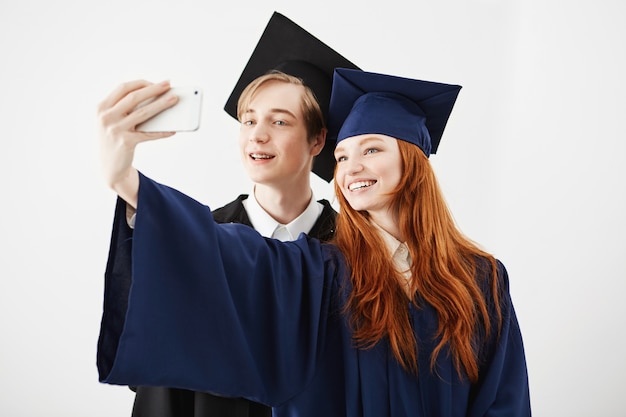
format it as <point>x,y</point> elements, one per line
<point>445,270</point>
<point>313,117</point>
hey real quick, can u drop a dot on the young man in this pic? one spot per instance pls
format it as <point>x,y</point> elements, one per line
<point>282,118</point>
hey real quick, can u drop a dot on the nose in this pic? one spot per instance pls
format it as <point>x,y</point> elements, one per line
<point>352,166</point>
<point>259,133</point>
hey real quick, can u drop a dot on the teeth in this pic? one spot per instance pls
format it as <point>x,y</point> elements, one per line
<point>360,184</point>
<point>260,156</point>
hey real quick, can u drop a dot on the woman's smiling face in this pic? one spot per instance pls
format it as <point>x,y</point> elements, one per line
<point>369,168</point>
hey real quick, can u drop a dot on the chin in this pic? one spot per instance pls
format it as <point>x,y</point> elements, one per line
<point>359,206</point>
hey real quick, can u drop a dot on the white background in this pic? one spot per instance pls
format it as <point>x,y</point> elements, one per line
<point>531,164</point>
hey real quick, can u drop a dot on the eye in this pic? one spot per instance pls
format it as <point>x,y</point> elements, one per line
<point>370,151</point>
<point>340,158</point>
<point>280,123</point>
<point>247,122</point>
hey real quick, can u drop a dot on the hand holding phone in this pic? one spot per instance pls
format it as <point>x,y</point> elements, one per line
<point>184,116</point>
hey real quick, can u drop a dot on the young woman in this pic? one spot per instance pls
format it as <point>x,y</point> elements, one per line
<point>401,316</point>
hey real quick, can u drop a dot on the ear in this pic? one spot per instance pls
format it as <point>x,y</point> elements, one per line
<point>318,143</point>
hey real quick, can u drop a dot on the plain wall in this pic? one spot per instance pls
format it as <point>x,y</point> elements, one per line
<point>531,164</point>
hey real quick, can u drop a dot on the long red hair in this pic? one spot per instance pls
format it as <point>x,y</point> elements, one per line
<point>444,272</point>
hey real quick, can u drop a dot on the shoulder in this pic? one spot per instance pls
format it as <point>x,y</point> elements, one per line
<point>324,227</point>
<point>493,280</point>
<point>233,212</point>
<point>328,209</point>
<point>486,268</point>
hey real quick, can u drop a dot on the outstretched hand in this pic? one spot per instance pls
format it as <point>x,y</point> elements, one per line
<point>118,117</point>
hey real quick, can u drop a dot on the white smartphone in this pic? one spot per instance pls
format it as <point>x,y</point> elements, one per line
<point>184,116</point>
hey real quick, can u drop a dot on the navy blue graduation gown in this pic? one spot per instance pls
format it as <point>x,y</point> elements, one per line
<point>220,309</point>
<point>176,402</point>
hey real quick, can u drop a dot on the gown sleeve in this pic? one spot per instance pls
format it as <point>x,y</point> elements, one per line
<point>213,308</point>
<point>502,390</point>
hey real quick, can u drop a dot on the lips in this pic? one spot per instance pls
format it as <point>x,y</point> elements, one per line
<point>260,156</point>
<point>358,185</point>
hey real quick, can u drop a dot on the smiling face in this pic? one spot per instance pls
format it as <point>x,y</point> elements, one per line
<point>369,168</point>
<point>273,136</point>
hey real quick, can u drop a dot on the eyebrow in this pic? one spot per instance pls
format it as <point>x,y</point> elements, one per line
<point>275,111</point>
<point>363,141</point>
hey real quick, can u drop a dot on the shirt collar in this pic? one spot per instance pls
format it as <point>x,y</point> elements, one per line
<point>267,226</point>
<point>398,251</point>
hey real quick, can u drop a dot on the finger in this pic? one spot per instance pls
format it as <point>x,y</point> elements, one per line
<point>132,95</point>
<point>120,92</point>
<point>144,112</point>
<point>148,136</point>
<point>129,96</point>
<point>141,96</point>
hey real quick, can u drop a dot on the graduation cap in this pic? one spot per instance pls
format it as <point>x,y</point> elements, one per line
<point>286,47</point>
<point>411,110</point>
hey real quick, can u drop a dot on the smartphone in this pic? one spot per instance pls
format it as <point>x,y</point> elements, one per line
<point>184,116</point>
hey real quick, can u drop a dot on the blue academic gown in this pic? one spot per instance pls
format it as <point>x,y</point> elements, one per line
<point>220,309</point>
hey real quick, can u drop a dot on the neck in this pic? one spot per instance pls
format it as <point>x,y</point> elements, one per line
<point>284,205</point>
<point>388,223</point>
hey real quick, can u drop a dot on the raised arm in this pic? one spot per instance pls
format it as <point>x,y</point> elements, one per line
<point>215,308</point>
<point>117,121</point>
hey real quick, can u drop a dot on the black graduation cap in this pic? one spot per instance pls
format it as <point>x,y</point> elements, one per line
<point>415,111</point>
<point>286,47</point>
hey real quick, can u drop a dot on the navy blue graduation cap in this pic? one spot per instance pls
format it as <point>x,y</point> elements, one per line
<point>286,47</point>
<point>411,110</point>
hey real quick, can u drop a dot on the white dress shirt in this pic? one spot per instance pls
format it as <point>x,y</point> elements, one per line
<point>399,253</point>
<point>267,226</point>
